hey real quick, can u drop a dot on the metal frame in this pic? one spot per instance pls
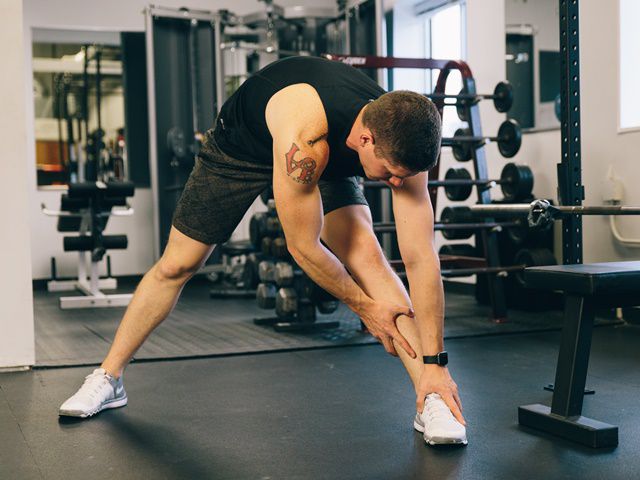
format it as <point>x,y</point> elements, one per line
<point>153,151</point>
<point>215,19</point>
<point>570,188</point>
<point>89,284</point>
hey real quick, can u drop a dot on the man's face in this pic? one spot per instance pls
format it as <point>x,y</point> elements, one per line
<point>378,168</point>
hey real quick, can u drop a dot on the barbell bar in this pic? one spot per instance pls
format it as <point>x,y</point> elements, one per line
<point>540,213</point>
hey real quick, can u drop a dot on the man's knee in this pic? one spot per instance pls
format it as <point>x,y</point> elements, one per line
<point>175,270</point>
<point>178,267</point>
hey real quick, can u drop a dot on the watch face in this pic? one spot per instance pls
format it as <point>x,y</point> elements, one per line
<point>443,358</point>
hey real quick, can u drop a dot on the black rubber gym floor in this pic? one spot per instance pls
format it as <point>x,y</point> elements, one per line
<point>321,414</point>
<point>200,327</point>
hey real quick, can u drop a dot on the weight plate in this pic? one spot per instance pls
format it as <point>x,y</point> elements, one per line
<point>456,215</point>
<point>509,138</point>
<point>462,150</point>
<point>457,193</point>
<point>458,250</point>
<point>462,107</point>
<point>503,97</point>
<point>532,257</point>
<point>516,182</point>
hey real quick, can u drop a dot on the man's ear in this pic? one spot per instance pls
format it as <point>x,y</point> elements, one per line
<point>366,137</point>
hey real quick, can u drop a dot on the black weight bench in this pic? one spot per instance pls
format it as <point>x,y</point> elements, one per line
<point>585,288</point>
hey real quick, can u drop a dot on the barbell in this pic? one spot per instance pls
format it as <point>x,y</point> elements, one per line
<point>502,97</point>
<point>516,183</point>
<point>541,214</point>
<point>509,140</point>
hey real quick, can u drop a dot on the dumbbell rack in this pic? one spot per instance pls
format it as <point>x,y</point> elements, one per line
<point>490,265</point>
<point>283,286</point>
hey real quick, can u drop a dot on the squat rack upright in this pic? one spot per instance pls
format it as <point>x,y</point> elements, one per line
<point>570,188</point>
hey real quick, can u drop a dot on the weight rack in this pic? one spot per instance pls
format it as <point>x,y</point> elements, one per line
<point>488,237</point>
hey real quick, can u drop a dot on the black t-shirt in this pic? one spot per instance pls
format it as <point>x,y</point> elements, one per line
<point>241,130</point>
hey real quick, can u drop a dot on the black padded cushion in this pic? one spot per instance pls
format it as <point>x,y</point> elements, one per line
<point>587,279</point>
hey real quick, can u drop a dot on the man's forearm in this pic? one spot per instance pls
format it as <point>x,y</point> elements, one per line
<point>427,298</point>
<point>327,271</point>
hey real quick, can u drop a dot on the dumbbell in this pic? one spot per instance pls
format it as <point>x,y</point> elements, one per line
<point>273,227</point>
<point>502,97</point>
<point>279,248</point>
<point>250,278</point>
<point>509,140</point>
<point>315,292</point>
<point>286,302</point>
<point>266,246</point>
<point>516,183</point>
<point>266,295</point>
<point>288,305</point>
<point>258,228</point>
<point>459,223</point>
<point>266,271</point>
<point>271,208</point>
<point>283,274</point>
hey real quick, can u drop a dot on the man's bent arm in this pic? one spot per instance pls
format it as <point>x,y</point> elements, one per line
<point>298,127</point>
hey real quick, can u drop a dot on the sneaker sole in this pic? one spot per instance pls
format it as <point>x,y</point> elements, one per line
<point>121,402</point>
<point>439,440</point>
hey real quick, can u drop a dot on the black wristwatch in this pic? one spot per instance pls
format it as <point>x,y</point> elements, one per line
<point>441,359</point>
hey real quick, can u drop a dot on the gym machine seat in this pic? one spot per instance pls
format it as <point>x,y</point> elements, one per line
<point>585,288</point>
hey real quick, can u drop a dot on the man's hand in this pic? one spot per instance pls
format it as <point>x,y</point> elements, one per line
<point>436,379</point>
<point>380,319</point>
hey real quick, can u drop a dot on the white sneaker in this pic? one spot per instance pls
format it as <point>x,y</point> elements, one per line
<point>437,423</point>
<point>98,392</point>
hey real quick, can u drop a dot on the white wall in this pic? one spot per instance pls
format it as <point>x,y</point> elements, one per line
<point>602,145</point>
<point>101,16</point>
<point>16,303</point>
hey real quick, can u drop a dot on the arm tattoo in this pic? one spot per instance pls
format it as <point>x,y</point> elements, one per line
<point>307,166</point>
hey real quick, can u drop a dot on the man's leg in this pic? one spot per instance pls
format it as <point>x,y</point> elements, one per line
<point>349,234</point>
<point>155,297</point>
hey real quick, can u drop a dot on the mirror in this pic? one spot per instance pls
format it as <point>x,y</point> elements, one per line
<point>533,61</point>
<point>79,107</point>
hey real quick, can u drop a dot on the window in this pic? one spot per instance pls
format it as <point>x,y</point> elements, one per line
<point>440,26</point>
<point>629,66</point>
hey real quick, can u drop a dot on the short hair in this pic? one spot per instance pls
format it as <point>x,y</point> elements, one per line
<point>406,127</point>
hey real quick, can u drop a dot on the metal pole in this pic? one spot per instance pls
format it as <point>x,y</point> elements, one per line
<point>570,188</point>
<point>153,151</point>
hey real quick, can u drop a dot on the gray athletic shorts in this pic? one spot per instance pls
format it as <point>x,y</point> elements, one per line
<point>221,188</point>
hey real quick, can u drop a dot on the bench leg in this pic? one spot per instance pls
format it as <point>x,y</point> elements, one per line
<point>563,418</point>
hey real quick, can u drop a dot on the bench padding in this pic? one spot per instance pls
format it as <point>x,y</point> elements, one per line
<point>589,279</point>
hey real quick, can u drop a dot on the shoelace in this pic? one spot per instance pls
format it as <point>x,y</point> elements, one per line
<point>93,384</point>
<point>436,407</point>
